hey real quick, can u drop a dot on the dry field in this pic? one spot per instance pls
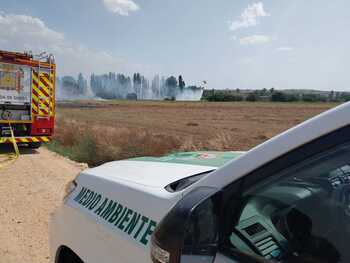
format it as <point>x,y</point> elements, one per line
<point>106,131</point>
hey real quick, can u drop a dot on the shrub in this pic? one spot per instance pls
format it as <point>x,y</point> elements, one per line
<point>84,149</point>
<point>313,98</point>
<point>222,96</point>
<point>131,96</point>
<point>252,97</point>
<point>283,97</point>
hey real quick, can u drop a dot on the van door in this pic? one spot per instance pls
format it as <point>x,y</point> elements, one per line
<point>296,213</point>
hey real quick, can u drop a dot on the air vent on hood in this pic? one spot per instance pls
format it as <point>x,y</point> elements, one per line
<point>185,182</point>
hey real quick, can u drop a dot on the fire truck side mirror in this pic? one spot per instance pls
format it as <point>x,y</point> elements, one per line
<point>189,232</point>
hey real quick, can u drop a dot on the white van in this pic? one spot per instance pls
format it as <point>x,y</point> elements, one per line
<point>286,200</point>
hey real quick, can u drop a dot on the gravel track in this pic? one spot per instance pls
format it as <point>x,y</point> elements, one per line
<point>30,190</point>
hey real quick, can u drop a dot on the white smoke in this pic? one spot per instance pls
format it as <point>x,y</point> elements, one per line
<point>119,86</point>
<point>189,94</point>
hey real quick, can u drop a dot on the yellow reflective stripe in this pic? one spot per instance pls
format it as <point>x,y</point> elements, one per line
<point>34,139</point>
<point>51,109</point>
<point>47,78</point>
<point>44,87</point>
<point>41,106</point>
<point>47,86</point>
<point>34,107</point>
<point>49,83</point>
<point>44,98</point>
<point>35,98</point>
<point>25,139</point>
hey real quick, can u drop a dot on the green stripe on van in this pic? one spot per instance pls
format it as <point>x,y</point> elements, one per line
<point>215,159</point>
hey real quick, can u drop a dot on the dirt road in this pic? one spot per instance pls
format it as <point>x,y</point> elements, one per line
<point>30,189</point>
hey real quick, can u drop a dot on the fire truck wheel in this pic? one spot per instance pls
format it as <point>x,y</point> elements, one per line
<point>34,145</point>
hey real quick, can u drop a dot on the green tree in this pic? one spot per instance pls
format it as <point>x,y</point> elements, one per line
<point>252,97</point>
<point>171,85</point>
<point>278,96</point>
<point>181,83</point>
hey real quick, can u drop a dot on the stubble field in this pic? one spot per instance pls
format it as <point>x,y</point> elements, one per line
<point>98,131</point>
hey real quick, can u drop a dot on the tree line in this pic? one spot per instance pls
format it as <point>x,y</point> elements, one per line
<point>275,96</point>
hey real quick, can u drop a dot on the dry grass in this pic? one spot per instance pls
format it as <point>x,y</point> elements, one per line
<point>86,143</point>
<point>96,132</point>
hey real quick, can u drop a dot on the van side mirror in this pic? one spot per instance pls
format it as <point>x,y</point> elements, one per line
<point>189,232</point>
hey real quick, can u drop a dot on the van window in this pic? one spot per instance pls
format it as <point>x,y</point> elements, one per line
<point>299,215</point>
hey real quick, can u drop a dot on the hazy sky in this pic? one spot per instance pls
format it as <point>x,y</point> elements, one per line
<point>231,43</point>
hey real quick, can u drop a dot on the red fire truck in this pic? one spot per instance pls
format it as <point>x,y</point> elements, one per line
<point>27,97</point>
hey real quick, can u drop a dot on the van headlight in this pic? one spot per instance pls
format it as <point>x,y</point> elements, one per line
<point>70,187</point>
<point>158,254</point>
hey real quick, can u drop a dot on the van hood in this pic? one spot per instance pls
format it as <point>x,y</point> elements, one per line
<point>138,186</point>
<point>162,171</point>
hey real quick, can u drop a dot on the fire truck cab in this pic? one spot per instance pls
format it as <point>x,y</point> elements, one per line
<point>27,97</point>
